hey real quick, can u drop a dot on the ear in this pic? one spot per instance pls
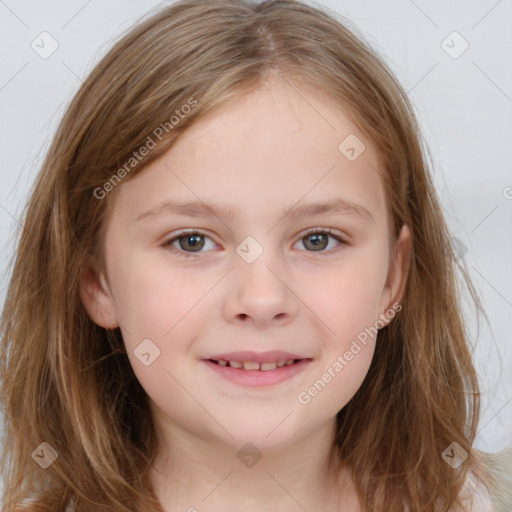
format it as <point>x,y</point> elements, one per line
<point>97,299</point>
<point>398,270</point>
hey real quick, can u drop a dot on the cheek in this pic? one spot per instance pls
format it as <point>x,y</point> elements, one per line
<point>153,301</point>
<point>346,298</point>
<point>347,306</point>
<point>339,380</point>
<point>159,307</point>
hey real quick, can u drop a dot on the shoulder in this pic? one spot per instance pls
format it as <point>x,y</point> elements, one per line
<point>496,496</point>
<point>475,496</point>
<point>499,467</point>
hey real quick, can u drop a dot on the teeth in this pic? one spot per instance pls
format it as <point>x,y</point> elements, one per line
<point>252,365</point>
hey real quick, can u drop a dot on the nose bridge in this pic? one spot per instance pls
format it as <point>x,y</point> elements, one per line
<point>259,284</point>
<point>256,264</point>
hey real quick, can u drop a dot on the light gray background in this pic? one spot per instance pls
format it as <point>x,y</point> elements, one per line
<point>464,105</point>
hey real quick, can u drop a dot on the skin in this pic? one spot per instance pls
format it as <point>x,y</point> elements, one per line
<point>261,154</point>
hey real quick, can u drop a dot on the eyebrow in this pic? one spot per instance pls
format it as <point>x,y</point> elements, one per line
<point>227,212</point>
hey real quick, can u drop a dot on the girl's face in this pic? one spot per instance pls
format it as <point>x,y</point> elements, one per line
<point>252,277</point>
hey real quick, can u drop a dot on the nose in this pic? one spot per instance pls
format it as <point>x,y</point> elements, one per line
<point>260,293</point>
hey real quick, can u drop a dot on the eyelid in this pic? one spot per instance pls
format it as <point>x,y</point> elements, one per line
<point>329,231</point>
<point>342,239</point>
<point>167,244</point>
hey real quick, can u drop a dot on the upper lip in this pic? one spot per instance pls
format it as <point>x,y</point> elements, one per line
<point>257,357</point>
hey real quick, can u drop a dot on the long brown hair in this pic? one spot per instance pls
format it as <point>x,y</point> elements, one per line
<point>68,383</point>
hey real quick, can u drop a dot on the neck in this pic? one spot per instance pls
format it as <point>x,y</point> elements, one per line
<point>193,473</point>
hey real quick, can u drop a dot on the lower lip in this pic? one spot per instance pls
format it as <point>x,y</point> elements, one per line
<point>255,378</point>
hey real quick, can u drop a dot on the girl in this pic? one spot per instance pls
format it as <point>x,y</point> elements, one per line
<point>234,287</point>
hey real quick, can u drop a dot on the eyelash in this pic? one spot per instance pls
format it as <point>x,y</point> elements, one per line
<point>186,254</point>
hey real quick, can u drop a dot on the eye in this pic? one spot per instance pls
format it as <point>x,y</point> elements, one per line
<point>318,239</point>
<point>191,242</point>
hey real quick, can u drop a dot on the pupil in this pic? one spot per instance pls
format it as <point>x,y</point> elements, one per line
<point>193,241</point>
<point>318,240</point>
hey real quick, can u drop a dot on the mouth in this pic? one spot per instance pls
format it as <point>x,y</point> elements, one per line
<point>255,365</point>
<point>257,374</point>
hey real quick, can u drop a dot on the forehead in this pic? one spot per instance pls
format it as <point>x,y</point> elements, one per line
<point>270,147</point>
